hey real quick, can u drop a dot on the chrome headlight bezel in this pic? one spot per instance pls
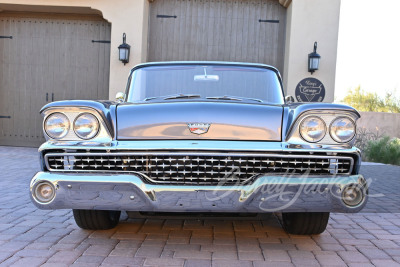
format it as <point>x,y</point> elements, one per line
<point>65,131</point>
<point>103,135</point>
<point>310,139</point>
<point>335,137</point>
<point>93,133</point>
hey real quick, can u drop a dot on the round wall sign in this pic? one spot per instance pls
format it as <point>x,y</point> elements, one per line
<point>310,90</point>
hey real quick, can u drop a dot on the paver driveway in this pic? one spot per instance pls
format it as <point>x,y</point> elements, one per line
<point>32,237</point>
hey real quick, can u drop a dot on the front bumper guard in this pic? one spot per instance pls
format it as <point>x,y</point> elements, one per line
<point>266,194</point>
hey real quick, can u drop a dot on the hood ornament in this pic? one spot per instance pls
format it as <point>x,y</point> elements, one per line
<point>199,128</point>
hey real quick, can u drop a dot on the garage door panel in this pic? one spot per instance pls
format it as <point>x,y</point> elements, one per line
<point>48,59</point>
<point>217,30</point>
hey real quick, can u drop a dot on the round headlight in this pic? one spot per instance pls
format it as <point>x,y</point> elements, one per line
<point>86,126</point>
<point>56,125</point>
<point>342,129</point>
<point>312,129</point>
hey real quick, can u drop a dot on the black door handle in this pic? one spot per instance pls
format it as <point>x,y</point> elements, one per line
<point>5,117</point>
<point>47,97</point>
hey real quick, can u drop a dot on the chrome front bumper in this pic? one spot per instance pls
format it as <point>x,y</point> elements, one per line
<point>267,194</point>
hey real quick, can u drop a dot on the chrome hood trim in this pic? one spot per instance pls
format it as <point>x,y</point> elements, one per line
<point>228,121</point>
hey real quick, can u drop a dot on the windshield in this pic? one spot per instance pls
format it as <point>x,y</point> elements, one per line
<point>212,82</point>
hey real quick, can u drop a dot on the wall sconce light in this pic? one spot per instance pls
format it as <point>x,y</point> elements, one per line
<point>313,60</point>
<point>124,50</point>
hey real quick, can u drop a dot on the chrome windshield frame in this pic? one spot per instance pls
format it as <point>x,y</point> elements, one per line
<point>210,63</point>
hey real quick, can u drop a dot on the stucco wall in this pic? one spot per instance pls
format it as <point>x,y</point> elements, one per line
<point>125,16</point>
<point>384,123</point>
<point>309,21</point>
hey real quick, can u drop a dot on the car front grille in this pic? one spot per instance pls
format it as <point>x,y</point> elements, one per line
<point>199,168</point>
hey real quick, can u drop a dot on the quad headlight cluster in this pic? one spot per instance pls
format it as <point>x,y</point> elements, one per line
<point>85,126</point>
<point>313,129</point>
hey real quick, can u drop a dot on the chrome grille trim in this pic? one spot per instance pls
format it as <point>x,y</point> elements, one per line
<point>201,168</point>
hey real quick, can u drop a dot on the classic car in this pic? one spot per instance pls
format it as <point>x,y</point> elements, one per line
<point>201,137</point>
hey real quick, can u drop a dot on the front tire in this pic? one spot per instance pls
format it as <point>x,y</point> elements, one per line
<point>305,223</point>
<point>96,219</point>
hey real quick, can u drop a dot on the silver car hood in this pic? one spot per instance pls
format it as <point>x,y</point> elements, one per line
<point>228,121</point>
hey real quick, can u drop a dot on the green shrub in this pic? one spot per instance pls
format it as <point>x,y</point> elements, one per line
<point>384,150</point>
<point>367,101</point>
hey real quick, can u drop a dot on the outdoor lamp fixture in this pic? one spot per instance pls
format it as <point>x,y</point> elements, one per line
<point>124,49</point>
<point>313,60</point>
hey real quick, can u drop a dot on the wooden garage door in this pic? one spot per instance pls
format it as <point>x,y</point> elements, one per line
<point>230,30</point>
<point>45,59</point>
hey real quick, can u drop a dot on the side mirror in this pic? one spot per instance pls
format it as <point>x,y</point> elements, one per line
<point>289,99</point>
<point>120,97</point>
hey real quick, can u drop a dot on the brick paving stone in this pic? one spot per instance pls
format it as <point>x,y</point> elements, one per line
<point>231,263</point>
<point>385,263</point>
<point>273,246</point>
<point>98,250</point>
<point>163,262</point>
<point>202,233</point>
<point>328,258</point>
<point>272,264</point>
<point>13,246</point>
<point>124,260</point>
<point>10,261</point>
<point>353,242</point>
<point>52,264</point>
<point>220,248</point>
<point>128,244</point>
<point>90,259</point>
<point>323,239</point>
<point>180,247</point>
<point>393,252</point>
<point>40,245</point>
<point>100,234</point>
<point>251,255</point>
<point>332,247</point>
<point>353,256</point>
<point>360,264</point>
<point>180,233</point>
<point>166,253</point>
<point>190,254</point>
<point>178,240</point>
<point>269,240</point>
<point>373,253</point>
<point>163,237</point>
<point>197,263</point>
<point>84,264</point>
<point>201,240</point>
<point>5,237</point>
<point>305,258</point>
<point>248,247</point>
<point>29,261</point>
<point>5,255</point>
<point>155,243</point>
<point>67,257</point>
<point>134,236</point>
<point>276,255</point>
<point>36,253</point>
<point>227,255</point>
<point>308,247</point>
<point>149,252</point>
<point>224,241</point>
<point>383,244</point>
